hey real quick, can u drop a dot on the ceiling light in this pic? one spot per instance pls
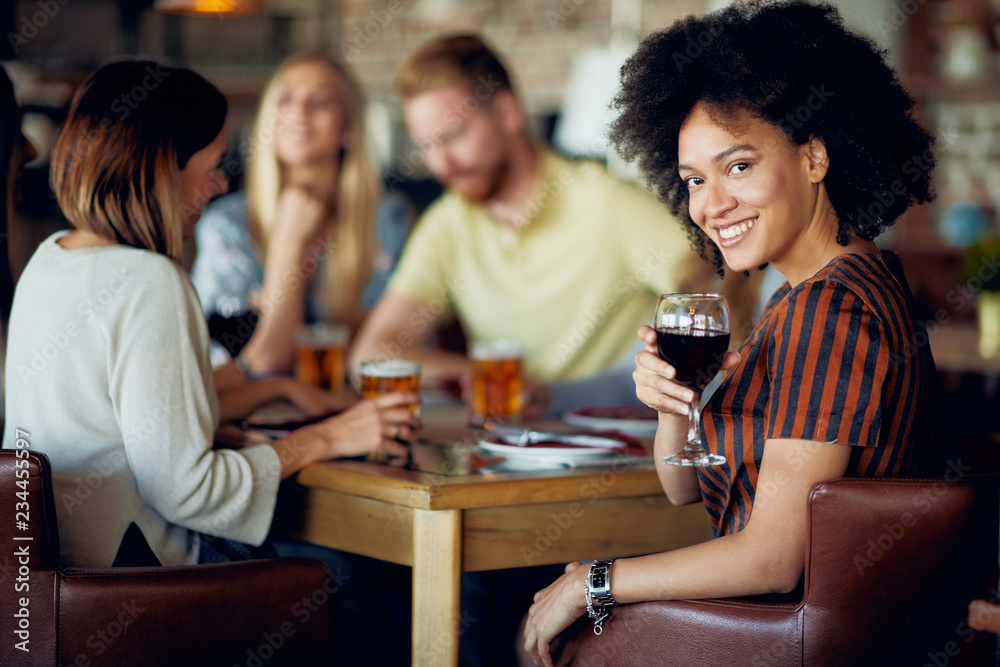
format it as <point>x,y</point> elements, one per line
<point>218,7</point>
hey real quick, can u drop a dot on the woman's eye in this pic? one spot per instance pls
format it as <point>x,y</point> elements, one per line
<point>692,181</point>
<point>740,167</point>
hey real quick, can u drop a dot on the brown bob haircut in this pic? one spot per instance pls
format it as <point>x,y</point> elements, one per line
<point>132,126</point>
<point>458,60</point>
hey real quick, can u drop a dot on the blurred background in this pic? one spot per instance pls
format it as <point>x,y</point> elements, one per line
<point>564,56</point>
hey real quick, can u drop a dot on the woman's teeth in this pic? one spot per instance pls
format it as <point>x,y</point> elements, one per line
<point>736,230</point>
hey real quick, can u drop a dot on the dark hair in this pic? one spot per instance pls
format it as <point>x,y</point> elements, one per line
<point>10,133</point>
<point>464,60</point>
<point>794,65</point>
<point>131,127</point>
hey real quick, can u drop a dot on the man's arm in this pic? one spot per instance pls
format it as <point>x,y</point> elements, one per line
<point>397,329</point>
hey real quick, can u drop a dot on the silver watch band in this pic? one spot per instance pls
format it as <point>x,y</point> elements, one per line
<point>599,584</point>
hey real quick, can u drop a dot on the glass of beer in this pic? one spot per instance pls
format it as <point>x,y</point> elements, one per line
<point>496,382</point>
<point>387,377</point>
<point>322,354</point>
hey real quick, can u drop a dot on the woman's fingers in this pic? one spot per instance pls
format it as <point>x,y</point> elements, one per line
<point>392,448</point>
<point>663,395</point>
<point>531,641</point>
<point>655,386</point>
<point>401,416</point>
<point>730,360</point>
<point>368,426</point>
<point>984,616</point>
<point>396,399</point>
<point>647,335</point>
<point>399,432</point>
<point>651,362</point>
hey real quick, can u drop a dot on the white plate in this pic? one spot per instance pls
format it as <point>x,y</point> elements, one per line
<point>640,428</point>
<point>530,458</point>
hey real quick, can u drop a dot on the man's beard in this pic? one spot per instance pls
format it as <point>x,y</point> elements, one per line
<point>484,185</point>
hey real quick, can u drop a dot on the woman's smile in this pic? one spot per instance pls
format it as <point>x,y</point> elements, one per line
<point>732,233</point>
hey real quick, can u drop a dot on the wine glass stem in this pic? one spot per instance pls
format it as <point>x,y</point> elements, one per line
<point>694,422</point>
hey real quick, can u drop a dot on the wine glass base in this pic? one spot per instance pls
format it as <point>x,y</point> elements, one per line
<point>686,457</point>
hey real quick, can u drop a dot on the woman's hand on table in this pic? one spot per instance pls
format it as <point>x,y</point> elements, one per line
<point>654,378</point>
<point>372,425</point>
<point>554,610</point>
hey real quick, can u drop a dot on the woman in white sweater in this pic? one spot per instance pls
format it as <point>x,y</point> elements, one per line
<point>108,359</point>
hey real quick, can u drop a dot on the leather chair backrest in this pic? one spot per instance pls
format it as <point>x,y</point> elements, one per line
<point>29,544</point>
<point>893,565</point>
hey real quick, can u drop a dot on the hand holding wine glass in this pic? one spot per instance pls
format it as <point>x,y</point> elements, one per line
<point>692,335</point>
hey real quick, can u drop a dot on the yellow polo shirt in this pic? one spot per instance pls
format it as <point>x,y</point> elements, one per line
<point>572,284</point>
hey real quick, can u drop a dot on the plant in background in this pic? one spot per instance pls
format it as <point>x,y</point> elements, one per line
<point>982,264</point>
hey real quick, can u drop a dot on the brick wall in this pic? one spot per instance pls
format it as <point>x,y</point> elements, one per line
<point>538,38</point>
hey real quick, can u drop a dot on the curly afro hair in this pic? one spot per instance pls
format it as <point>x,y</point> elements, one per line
<point>792,64</point>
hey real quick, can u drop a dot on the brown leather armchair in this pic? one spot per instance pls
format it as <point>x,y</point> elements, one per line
<point>891,566</point>
<point>253,613</point>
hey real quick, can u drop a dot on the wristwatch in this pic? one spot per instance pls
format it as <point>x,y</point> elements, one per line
<point>599,584</point>
<point>597,591</point>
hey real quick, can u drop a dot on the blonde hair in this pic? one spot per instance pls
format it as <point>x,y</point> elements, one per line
<point>349,266</point>
<point>132,126</point>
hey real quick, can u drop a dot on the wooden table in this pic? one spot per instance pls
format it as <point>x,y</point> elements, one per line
<point>441,525</point>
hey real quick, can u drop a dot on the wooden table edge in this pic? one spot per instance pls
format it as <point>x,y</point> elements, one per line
<point>429,491</point>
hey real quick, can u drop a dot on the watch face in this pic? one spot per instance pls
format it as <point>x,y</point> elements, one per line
<point>600,581</point>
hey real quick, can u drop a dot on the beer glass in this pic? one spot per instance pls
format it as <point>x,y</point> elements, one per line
<point>692,335</point>
<point>386,377</point>
<point>496,382</point>
<point>321,356</point>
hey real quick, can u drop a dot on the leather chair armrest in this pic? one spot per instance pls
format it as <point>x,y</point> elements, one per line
<point>279,611</point>
<point>687,632</point>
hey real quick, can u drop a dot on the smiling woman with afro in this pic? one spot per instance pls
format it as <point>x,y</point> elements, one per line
<point>777,137</point>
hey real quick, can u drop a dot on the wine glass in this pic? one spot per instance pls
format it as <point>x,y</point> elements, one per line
<point>692,335</point>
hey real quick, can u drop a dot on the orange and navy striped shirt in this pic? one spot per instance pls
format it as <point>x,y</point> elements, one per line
<point>840,358</point>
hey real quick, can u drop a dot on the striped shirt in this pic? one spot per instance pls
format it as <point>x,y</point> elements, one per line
<point>840,358</point>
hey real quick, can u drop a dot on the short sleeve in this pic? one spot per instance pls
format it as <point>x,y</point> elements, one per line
<point>226,270</point>
<point>828,359</point>
<point>423,270</point>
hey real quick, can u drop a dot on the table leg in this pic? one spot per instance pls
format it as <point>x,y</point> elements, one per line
<point>437,580</point>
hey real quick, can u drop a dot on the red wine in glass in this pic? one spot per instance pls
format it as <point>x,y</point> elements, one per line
<point>694,353</point>
<point>692,335</point>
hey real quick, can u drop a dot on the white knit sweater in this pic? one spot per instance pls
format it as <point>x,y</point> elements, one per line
<point>108,373</point>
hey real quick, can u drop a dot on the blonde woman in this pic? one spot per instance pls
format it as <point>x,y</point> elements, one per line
<point>299,245</point>
<point>108,361</point>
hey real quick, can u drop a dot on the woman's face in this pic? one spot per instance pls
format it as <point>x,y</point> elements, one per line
<point>310,123</point>
<point>751,191</point>
<point>201,179</point>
